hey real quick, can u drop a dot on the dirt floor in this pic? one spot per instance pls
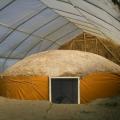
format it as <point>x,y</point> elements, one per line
<point>101,109</point>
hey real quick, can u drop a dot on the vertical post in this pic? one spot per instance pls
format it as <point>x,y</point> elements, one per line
<point>106,47</point>
<point>50,99</point>
<point>96,45</point>
<point>84,38</point>
<point>78,90</point>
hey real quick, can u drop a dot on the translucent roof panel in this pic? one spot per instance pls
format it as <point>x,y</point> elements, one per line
<point>11,42</point>
<point>30,26</point>
<point>38,21</point>
<point>19,10</point>
<point>52,26</point>
<point>107,6</point>
<point>101,15</point>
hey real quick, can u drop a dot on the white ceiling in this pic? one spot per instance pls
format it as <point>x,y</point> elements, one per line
<point>31,26</point>
<point>99,17</point>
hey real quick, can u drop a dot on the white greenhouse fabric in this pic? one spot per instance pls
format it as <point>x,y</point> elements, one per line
<point>30,26</point>
<point>100,14</point>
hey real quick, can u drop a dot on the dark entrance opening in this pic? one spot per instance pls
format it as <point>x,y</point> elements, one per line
<point>64,90</point>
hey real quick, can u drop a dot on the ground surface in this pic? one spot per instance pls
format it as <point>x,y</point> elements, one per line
<point>102,109</point>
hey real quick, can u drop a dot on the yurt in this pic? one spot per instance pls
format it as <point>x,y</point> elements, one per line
<point>61,79</point>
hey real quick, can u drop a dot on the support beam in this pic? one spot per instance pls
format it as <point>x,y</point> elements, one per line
<point>9,3</point>
<point>116,58</point>
<point>84,38</point>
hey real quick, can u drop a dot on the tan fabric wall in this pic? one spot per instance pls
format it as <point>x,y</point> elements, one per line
<point>99,85</point>
<point>24,87</point>
<point>93,86</point>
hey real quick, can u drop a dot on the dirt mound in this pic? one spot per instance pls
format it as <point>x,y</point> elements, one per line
<point>101,109</point>
<point>58,62</point>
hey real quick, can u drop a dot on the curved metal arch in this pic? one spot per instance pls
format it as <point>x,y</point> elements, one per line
<point>31,35</point>
<point>26,20</point>
<point>44,38</point>
<point>92,21</point>
<point>7,5</point>
<point>62,16</point>
<point>87,26</point>
<point>66,11</point>
<point>80,20</point>
<point>60,38</point>
<point>2,57</point>
<point>101,9</point>
<point>91,15</point>
<point>53,43</point>
<point>56,41</point>
<point>85,22</point>
<point>84,25</point>
<point>92,30</point>
<point>27,38</point>
<point>95,6</point>
<point>70,33</point>
<point>97,17</point>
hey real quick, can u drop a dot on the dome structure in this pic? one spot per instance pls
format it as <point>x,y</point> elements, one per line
<point>59,62</point>
<point>29,78</point>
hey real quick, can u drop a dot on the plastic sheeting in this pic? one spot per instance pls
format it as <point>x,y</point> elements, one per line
<point>24,87</point>
<point>29,26</point>
<point>97,17</point>
<point>96,85</point>
<point>99,85</point>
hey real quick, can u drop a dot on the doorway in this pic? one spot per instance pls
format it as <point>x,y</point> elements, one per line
<point>64,90</point>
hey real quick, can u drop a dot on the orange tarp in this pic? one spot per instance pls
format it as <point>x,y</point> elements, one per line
<point>24,87</point>
<point>93,86</point>
<point>99,85</point>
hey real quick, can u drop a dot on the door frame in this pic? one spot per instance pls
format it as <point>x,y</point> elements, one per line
<point>50,94</point>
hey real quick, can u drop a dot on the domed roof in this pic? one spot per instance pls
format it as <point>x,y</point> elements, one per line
<point>58,62</point>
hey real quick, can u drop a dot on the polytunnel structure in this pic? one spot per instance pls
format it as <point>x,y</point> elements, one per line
<point>31,26</point>
<point>59,59</point>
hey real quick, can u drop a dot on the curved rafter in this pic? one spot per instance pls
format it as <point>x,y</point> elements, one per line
<point>30,36</point>
<point>74,17</point>
<point>44,38</point>
<point>14,29</point>
<point>59,39</point>
<point>102,9</point>
<point>9,3</point>
<point>114,34</point>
